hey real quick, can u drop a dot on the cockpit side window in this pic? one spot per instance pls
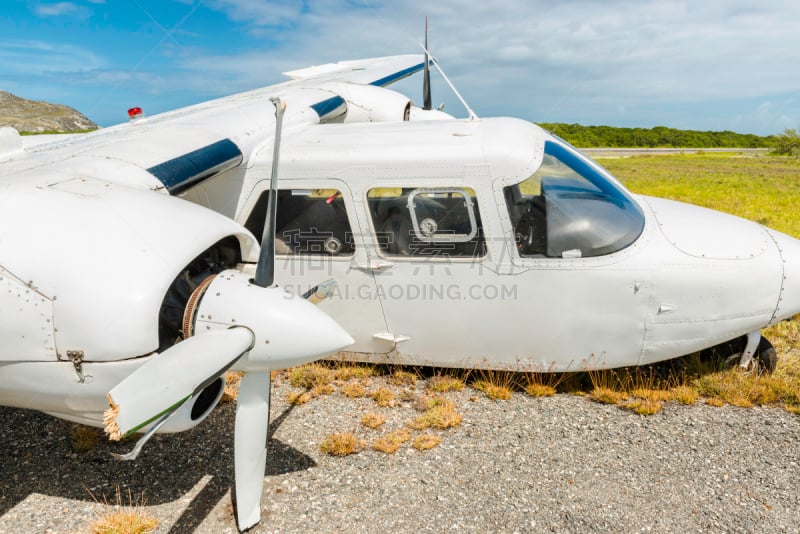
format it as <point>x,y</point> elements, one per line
<point>570,208</point>
<point>427,222</point>
<point>309,222</point>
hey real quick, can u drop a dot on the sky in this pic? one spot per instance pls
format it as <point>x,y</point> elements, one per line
<point>710,65</point>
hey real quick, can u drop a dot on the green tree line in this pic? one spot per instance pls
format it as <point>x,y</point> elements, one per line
<point>660,136</point>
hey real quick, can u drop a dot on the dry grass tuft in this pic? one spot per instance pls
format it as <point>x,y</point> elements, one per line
<point>441,413</point>
<point>124,521</point>
<point>83,438</point>
<point>544,384</point>
<point>348,371</point>
<point>607,379</point>
<point>402,378</point>
<point>785,336</point>
<point>493,391</point>
<point>713,401</point>
<point>426,402</point>
<point>392,441</point>
<point>341,444</point>
<point>497,385</point>
<point>130,519</point>
<point>353,390</point>
<point>644,406</point>
<point>445,383</point>
<point>322,389</point>
<point>648,388</point>
<point>383,396</point>
<point>426,442</point>
<point>605,395</point>
<point>231,391</point>
<point>540,390</point>
<point>685,395</point>
<point>297,398</point>
<point>372,420</point>
<point>310,375</point>
<point>408,395</point>
<point>655,395</point>
<point>741,389</point>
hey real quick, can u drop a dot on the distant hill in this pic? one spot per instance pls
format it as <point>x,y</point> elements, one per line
<point>658,137</point>
<point>41,117</point>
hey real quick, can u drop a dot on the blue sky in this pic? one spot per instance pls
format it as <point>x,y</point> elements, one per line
<point>711,65</point>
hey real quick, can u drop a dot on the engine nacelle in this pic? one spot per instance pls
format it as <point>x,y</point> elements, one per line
<point>419,114</point>
<point>96,259</point>
<point>368,103</point>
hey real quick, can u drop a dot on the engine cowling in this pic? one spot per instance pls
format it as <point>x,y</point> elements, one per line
<point>368,103</point>
<point>103,256</point>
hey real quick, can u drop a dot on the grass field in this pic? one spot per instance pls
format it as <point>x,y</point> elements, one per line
<point>765,189</point>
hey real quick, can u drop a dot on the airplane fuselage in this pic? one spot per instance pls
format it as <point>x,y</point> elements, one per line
<point>589,295</point>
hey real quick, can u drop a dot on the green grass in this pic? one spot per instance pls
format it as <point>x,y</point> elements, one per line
<point>765,189</point>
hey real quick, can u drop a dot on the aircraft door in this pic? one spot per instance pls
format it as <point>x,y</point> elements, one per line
<point>318,238</point>
<point>440,287</point>
<point>584,293</point>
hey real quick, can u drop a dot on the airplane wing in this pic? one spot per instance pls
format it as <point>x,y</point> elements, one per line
<point>173,151</point>
<point>381,71</point>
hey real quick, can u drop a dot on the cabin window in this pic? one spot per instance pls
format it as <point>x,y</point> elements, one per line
<point>571,208</point>
<point>309,222</point>
<point>427,222</point>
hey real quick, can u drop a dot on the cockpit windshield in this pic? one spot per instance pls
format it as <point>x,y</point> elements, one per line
<point>570,208</point>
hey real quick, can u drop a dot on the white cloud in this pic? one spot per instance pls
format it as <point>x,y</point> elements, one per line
<point>642,49</point>
<point>259,12</point>
<point>769,116</point>
<point>544,56</point>
<point>60,8</point>
<point>32,57</point>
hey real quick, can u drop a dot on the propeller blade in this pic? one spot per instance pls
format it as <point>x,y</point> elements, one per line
<point>250,446</point>
<point>426,75</point>
<point>189,366</point>
<point>265,270</point>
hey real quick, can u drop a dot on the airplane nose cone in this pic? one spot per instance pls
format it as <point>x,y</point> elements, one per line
<point>789,299</point>
<point>310,332</point>
<point>708,234</point>
<point>295,331</point>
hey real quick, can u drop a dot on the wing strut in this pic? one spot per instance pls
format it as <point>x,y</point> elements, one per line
<point>471,113</point>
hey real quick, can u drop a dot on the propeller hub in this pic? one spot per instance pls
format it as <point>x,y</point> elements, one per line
<point>288,329</point>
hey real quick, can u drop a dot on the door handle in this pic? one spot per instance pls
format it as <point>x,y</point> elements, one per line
<point>376,266</point>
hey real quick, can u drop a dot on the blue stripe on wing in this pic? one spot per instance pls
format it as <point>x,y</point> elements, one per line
<point>386,80</point>
<point>183,172</point>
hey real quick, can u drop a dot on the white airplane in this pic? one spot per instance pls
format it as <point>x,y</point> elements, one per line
<point>130,278</point>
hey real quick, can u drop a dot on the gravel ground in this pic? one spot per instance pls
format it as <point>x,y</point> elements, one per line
<point>558,464</point>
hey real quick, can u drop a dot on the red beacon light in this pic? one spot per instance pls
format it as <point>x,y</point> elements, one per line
<point>135,114</point>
